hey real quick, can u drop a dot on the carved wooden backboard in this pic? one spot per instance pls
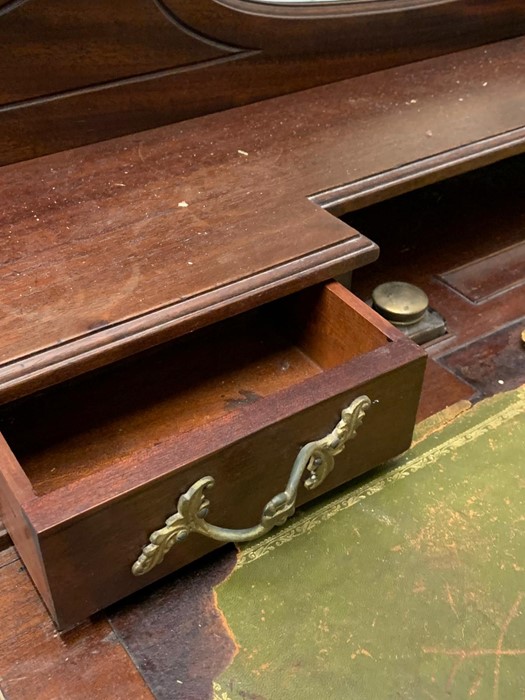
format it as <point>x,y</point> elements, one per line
<point>77,72</point>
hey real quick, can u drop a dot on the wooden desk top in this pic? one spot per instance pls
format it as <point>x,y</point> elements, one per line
<point>114,247</point>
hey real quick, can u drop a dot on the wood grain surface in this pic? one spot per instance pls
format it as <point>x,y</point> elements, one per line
<point>77,74</point>
<point>101,260</point>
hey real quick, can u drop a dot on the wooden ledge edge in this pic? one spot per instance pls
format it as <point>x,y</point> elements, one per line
<point>420,173</point>
<point>99,348</point>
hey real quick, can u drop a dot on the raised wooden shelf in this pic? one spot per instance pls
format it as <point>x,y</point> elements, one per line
<point>114,247</point>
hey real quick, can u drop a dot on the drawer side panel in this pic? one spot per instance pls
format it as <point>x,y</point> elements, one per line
<point>14,490</point>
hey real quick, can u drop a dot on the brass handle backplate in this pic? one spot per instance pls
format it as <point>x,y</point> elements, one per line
<point>317,458</point>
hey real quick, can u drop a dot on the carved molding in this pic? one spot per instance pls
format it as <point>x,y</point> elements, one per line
<point>339,26</point>
<point>200,36</point>
<point>322,8</point>
<point>10,5</point>
<point>99,44</point>
<point>79,70</point>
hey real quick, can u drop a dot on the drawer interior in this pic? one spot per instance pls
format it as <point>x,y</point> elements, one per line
<point>87,424</point>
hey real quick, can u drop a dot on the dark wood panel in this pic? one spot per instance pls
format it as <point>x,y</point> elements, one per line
<point>54,46</point>
<point>493,274</point>
<point>404,28</point>
<point>78,73</point>
<point>493,363</point>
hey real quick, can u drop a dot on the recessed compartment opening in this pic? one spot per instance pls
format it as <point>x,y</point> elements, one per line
<point>85,425</point>
<point>460,240</point>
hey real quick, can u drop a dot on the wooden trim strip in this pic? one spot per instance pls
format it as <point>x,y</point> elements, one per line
<point>391,183</point>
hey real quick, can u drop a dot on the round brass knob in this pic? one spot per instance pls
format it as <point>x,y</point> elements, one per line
<point>400,302</point>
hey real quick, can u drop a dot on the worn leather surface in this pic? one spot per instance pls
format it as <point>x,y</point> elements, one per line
<point>411,584</point>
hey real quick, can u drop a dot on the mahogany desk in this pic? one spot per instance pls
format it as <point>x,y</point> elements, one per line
<point>355,144</point>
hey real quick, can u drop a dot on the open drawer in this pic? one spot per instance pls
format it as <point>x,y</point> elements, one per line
<point>92,468</point>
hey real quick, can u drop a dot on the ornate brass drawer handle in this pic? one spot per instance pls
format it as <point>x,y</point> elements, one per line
<point>316,457</point>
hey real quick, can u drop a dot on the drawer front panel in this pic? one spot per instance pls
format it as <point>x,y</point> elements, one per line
<point>89,560</point>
